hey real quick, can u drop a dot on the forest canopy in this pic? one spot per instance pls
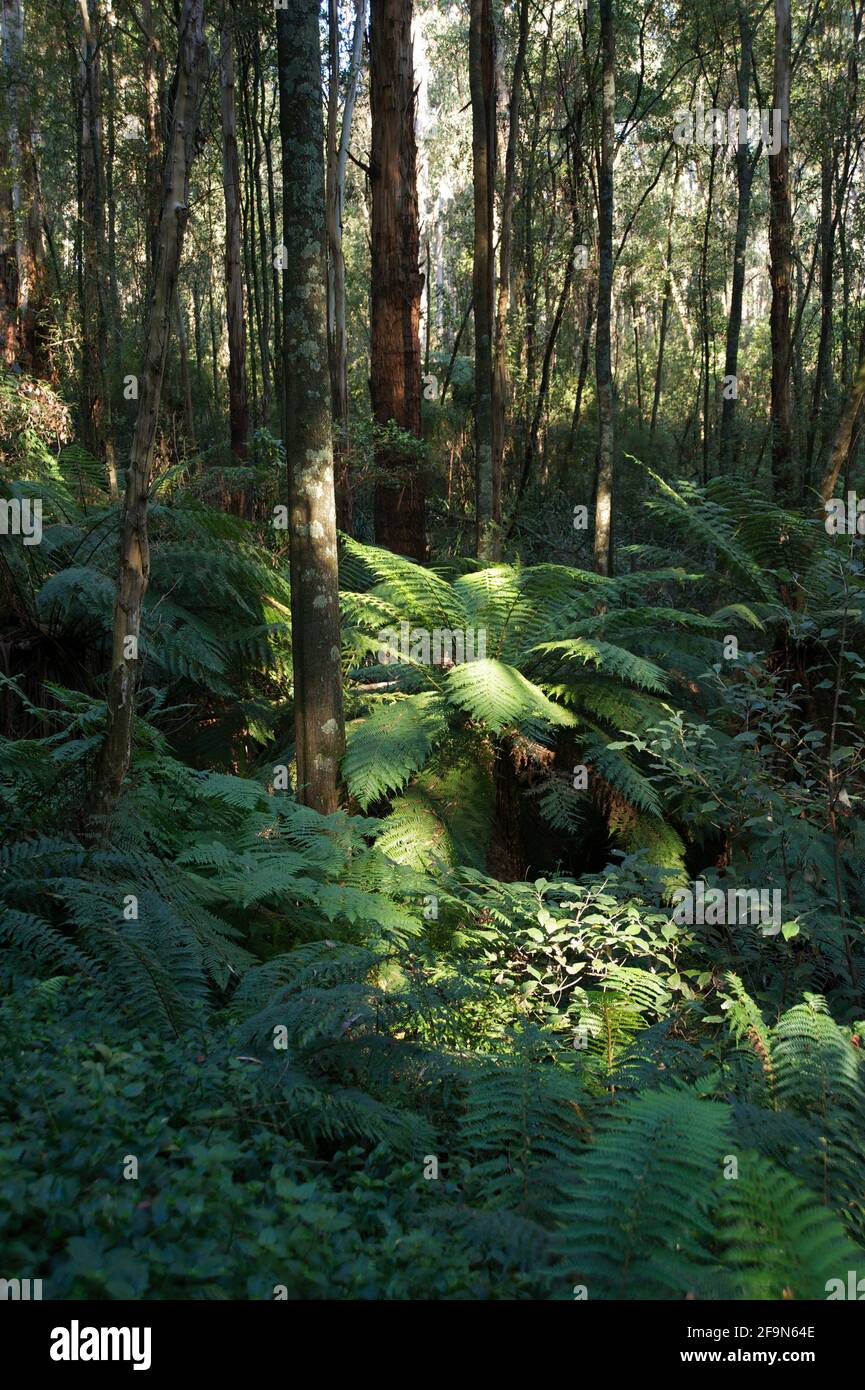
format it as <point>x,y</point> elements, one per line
<point>432,649</point>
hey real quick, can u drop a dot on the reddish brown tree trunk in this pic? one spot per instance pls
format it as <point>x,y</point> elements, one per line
<point>395,363</point>
<point>338,139</point>
<point>11,36</point>
<point>501,383</point>
<point>23,276</point>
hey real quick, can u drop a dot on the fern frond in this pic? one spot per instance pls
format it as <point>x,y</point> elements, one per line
<point>394,741</point>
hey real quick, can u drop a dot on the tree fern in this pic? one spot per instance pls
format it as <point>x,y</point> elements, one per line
<point>498,696</point>
<point>394,741</point>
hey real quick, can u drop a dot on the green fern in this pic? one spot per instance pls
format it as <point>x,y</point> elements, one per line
<point>780,1242</point>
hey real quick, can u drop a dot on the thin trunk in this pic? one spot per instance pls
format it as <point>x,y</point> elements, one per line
<point>845,304</point>
<point>428,308</point>
<point>482,81</point>
<point>844,433</point>
<point>249,266</point>
<point>36,313</point>
<point>603,366</point>
<point>745,166</point>
<point>267,138</point>
<point>95,401</point>
<point>265,281</point>
<point>534,428</point>
<point>337,167</point>
<point>153,166</point>
<point>179,315</point>
<point>252,253</point>
<point>134,550</point>
<point>798,364</point>
<point>24,297</point>
<point>238,396</point>
<point>530,181</point>
<point>705,301</point>
<point>10,19</point>
<point>214,336</point>
<point>635,324</point>
<point>454,350</point>
<point>665,307</point>
<point>585,350</point>
<point>111,204</point>
<point>823,373</point>
<point>198,339</point>
<point>340,337</point>
<point>318,706</point>
<point>781,260</point>
<point>501,383</point>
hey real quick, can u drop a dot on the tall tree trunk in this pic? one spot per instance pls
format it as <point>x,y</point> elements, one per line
<point>585,349</point>
<point>635,325</point>
<point>528,200</point>
<point>665,303</point>
<point>395,371</point>
<point>238,396</point>
<point>111,203</point>
<point>11,20</point>
<point>844,333</point>
<point>134,549</point>
<point>482,80</point>
<point>334,228</point>
<point>95,400</point>
<point>823,374</point>
<point>781,261</point>
<point>263,281</point>
<point>798,359</point>
<point>152,140</point>
<point>23,260</point>
<point>251,260</point>
<point>318,706</point>
<point>603,364</point>
<point>33,269</point>
<point>198,333</point>
<point>549,350</point>
<point>180,333</point>
<point>705,303</point>
<point>267,140</point>
<point>256,262</point>
<point>337,165</point>
<point>744,180</point>
<point>214,334</point>
<point>501,384</point>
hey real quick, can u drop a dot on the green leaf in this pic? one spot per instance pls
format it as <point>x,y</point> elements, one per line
<point>499,696</point>
<point>390,744</point>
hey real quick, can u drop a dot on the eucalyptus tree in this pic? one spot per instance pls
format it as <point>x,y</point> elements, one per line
<point>395,291</point>
<point>192,66</point>
<point>318,701</point>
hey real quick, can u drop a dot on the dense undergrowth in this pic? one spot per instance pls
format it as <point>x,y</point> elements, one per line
<point>254,1052</point>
